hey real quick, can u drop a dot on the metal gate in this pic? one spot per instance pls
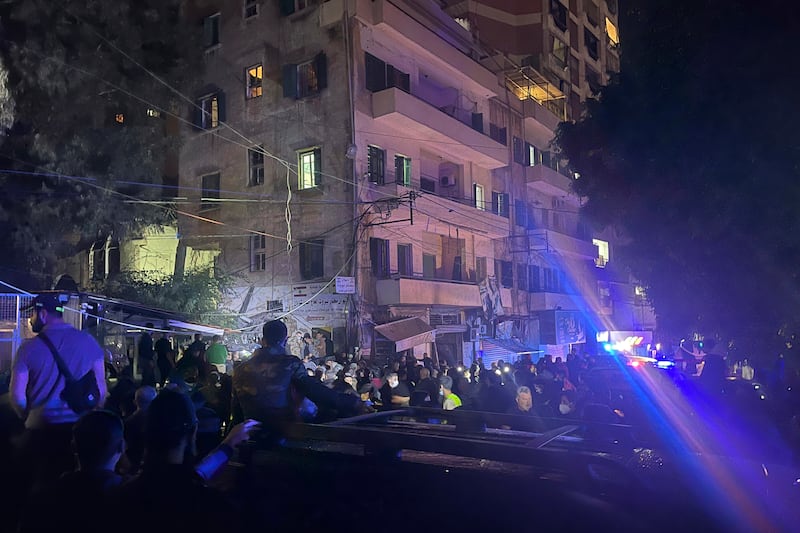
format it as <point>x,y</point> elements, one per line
<point>11,322</point>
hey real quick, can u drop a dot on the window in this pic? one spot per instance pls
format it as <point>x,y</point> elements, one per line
<point>592,12</point>
<point>591,44</point>
<point>604,294</point>
<point>534,281</point>
<point>309,164</point>
<point>381,75</point>
<point>559,12</point>
<point>552,280</point>
<point>593,80</point>
<point>312,264</point>
<point>500,203</point>
<point>479,196</point>
<point>255,79</point>
<point>379,257</point>
<point>520,213</point>
<point>210,111</point>
<point>402,170</point>
<point>210,184</point>
<point>522,277</point>
<point>519,150</point>
<point>602,253</point>
<point>427,185</point>
<point>639,294</point>
<point>405,262</point>
<point>291,6</point>
<point>258,253</point>
<point>498,134</point>
<point>305,79</point>
<point>611,31</point>
<point>250,8</point>
<point>428,266</point>
<point>376,163</point>
<point>560,52</point>
<point>255,163</point>
<point>534,154</point>
<point>211,30</point>
<point>480,268</point>
<point>504,270</point>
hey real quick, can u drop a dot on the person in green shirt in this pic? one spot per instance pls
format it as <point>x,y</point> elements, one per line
<point>451,400</point>
<point>217,354</point>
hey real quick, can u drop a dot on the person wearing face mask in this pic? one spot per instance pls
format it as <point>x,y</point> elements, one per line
<point>566,405</point>
<point>37,383</point>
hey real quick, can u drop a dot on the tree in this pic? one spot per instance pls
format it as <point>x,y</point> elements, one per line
<point>84,124</point>
<point>196,294</point>
<point>691,153</point>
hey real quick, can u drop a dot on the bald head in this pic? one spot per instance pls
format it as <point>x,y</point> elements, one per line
<point>144,396</point>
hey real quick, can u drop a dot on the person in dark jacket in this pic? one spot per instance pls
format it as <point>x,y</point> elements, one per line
<point>271,385</point>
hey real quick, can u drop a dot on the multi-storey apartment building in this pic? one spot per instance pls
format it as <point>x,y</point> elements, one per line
<point>380,142</point>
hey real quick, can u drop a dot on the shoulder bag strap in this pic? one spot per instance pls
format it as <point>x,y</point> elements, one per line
<point>62,367</point>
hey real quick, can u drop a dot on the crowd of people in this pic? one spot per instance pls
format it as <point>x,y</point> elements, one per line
<point>154,444</point>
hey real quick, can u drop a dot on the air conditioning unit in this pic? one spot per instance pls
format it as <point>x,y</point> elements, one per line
<point>473,334</point>
<point>447,181</point>
<point>483,329</point>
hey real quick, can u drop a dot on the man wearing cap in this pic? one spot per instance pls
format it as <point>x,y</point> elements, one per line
<point>37,384</point>
<point>270,386</point>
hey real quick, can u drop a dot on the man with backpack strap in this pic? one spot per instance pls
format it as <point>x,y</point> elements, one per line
<point>49,370</point>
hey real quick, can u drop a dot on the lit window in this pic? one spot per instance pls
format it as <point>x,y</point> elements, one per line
<point>402,170</point>
<point>154,113</point>
<point>211,30</point>
<point>250,8</point>
<point>119,118</point>
<point>611,31</point>
<point>640,293</point>
<point>480,197</point>
<point>463,22</point>
<point>305,79</point>
<point>602,253</point>
<point>258,253</point>
<point>255,78</point>
<point>255,158</point>
<point>308,168</point>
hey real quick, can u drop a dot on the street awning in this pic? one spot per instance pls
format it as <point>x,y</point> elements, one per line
<point>199,328</point>
<point>407,333</point>
<point>508,350</point>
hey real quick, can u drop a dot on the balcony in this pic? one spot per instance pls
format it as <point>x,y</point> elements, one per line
<point>417,291</point>
<point>460,212</point>
<point>543,301</point>
<point>415,118</point>
<point>549,241</point>
<point>548,181</point>
<point>436,39</point>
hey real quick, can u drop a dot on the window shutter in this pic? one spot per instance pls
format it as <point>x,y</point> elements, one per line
<point>475,195</point>
<point>504,207</point>
<point>399,169</point>
<point>317,166</point>
<point>495,203</point>
<point>196,114</point>
<point>321,65</point>
<point>221,106</point>
<point>373,254</point>
<point>304,262</point>
<point>477,122</point>
<point>504,136</point>
<point>290,81</point>
<point>375,73</point>
<point>287,7</point>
